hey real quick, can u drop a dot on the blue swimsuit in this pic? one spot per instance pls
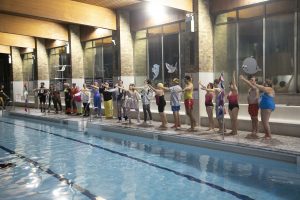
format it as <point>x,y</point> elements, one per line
<point>266,102</point>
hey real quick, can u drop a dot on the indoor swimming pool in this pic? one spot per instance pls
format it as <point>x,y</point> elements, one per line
<point>51,162</point>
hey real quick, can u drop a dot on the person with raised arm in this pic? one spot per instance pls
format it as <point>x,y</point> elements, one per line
<point>161,103</point>
<point>25,94</point>
<point>97,98</point>
<point>218,89</point>
<point>131,101</point>
<point>253,107</point>
<point>189,101</point>
<point>146,96</point>
<point>209,103</point>
<point>107,99</point>
<point>233,104</point>
<point>85,96</point>
<point>42,93</point>
<point>120,98</point>
<point>175,98</point>
<point>266,104</point>
<point>68,98</point>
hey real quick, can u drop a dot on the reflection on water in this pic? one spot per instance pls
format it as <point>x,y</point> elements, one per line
<point>244,171</point>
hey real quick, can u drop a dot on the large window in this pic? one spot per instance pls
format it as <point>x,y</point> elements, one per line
<point>29,70</point>
<point>98,60</point>
<point>266,32</point>
<point>60,70</point>
<point>225,49</point>
<point>163,52</point>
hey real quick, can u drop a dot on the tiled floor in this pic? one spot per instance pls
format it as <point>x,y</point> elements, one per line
<point>278,142</point>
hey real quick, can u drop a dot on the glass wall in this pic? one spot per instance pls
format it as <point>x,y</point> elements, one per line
<point>98,60</point>
<point>266,32</point>
<point>60,70</point>
<point>163,53</point>
<point>28,67</point>
<point>155,59</point>
<point>225,50</point>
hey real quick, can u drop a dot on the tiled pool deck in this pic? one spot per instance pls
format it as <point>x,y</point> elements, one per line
<point>278,143</point>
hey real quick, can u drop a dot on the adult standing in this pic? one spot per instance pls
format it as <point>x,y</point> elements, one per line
<point>85,96</point>
<point>189,101</point>
<point>176,92</point>
<point>97,98</point>
<point>266,105</point>
<point>68,98</point>
<point>73,102</point>
<point>107,98</point>
<point>56,99</point>
<point>25,94</point>
<point>253,107</point>
<point>161,103</point>
<point>209,103</point>
<point>42,93</point>
<point>233,104</point>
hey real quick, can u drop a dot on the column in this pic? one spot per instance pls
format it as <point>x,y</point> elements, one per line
<point>76,51</point>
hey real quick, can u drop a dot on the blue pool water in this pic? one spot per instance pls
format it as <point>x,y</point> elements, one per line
<point>55,163</point>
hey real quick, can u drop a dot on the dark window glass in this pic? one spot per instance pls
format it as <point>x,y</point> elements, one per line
<point>250,45</point>
<point>280,65</point>
<point>155,59</point>
<point>225,50</point>
<point>171,58</point>
<point>108,62</point>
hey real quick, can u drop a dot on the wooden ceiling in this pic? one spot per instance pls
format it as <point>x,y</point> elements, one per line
<point>112,4</point>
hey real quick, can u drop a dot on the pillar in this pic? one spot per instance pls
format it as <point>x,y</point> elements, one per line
<point>17,81</point>
<point>76,51</point>
<point>42,62</point>
<point>125,48</point>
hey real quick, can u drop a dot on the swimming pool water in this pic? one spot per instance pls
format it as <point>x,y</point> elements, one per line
<point>56,163</point>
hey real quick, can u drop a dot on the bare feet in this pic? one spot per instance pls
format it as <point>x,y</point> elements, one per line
<point>252,136</point>
<point>191,130</point>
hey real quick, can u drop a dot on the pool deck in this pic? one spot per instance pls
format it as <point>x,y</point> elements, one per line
<point>285,145</point>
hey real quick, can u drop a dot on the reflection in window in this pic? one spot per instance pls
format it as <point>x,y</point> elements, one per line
<point>251,45</point>
<point>140,61</point>
<point>98,60</point>
<point>60,70</point>
<point>225,49</point>
<point>171,58</point>
<point>28,67</point>
<point>280,52</point>
<point>252,12</point>
<point>155,59</point>
<point>226,17</point>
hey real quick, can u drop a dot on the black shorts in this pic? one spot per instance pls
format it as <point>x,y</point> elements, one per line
<point>161,106</point>
<point>232,106</point>
<point>209,104</point>
<point>42,99</point>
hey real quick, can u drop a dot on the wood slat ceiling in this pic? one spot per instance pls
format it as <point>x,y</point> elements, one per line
<point>112,4</point>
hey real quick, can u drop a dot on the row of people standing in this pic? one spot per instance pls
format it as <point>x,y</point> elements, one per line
<point>264,102</point>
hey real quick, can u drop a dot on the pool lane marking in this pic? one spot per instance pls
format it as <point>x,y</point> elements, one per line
<point>189,177</point>
<point>52,173</point>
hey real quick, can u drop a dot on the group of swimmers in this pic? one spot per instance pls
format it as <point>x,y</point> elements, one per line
<point>264,102</point>
<point>127,102</point>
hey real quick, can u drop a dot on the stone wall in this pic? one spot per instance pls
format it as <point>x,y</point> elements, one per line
<point>204,26</point>
<point>126,44</point>
<point>76,52</point>
<point>42,59</point>
<point>17,64</point>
